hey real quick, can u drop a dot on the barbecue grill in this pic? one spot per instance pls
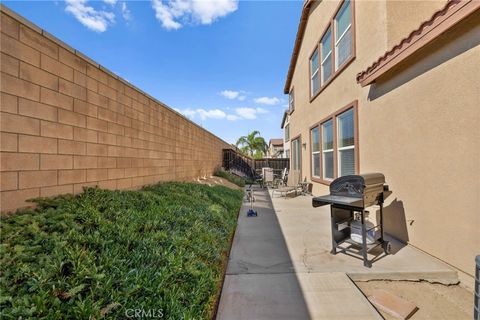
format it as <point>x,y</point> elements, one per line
<point>349,197</point>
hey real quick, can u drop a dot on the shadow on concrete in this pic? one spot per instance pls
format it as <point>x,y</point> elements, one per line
<point>260,272</point>
<point>395,224</point>
<point>451,44</point>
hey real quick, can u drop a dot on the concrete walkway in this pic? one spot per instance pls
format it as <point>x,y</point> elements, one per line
<point>280,266</point>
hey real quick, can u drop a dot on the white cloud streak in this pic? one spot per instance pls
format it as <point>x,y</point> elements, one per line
<point>268,101</point>
<point>126,14</point>
<point>232,95</point>
<point>218,114</point>
<point>96,20</point>
<point>250,113</point>
<point>175,13</point>
<point>110,2</point>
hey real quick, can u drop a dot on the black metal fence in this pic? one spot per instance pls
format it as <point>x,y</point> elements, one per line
<point>245,166</point>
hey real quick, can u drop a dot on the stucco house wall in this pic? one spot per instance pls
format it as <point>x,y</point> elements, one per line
<point>67,122</point>
<point>418,124</point>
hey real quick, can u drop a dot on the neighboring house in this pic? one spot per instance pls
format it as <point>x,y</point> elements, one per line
<point>275,148</point>
<point>286,134</point>
<point>394,87</point>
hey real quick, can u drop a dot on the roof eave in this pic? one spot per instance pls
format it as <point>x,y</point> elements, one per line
<point>298,42</point>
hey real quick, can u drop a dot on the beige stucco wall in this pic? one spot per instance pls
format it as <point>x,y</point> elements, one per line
<point>67,123</point>
<point>403,17</point>
<point>419,126</point>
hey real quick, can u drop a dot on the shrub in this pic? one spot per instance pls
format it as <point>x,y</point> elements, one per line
<point>103,252</point>
<point>230,177</point>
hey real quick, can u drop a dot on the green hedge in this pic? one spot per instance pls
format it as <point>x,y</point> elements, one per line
<point>104,253</point>
<point>230,177</point>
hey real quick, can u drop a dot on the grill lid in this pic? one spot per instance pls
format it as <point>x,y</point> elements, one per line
<point>354,191</point>
<point>373,178</point>
<point>354,185</point>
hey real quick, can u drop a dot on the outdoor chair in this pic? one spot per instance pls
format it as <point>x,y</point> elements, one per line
<point>267,176</point>
<point>293,184</point>
<point>282,180</point>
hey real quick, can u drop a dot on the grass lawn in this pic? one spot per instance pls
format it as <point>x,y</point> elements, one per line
<point>104,253</point>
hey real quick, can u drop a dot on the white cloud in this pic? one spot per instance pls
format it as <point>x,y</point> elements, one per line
<point>261,110</point>
<point>232,117</point>
<point>209,10</point>
<point>250,113</point>
<point>203,114</point>
<point>218,114</point>
<point>110,2</point>
<point>214,114</point>
<point>231,94</point>
<point>126,14</point>
<point>268,101</point>
<point>165,15</point>
<point>93,19</point>
<point>173,14</point>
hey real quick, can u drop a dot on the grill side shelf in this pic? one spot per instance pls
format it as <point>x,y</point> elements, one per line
<point>337,201</point>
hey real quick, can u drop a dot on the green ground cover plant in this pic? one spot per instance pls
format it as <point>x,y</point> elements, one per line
<point>102,253</point>
<point>230,177</point>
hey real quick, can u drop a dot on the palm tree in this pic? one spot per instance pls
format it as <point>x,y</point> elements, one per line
<point>252,144</point>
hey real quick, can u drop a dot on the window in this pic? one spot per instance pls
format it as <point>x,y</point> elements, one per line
<point>314,85</point>
<point>291,101</point>
<point>296,156</point>
<point>327,150</point>
<point>346,143</point>
<point>334,50</point>
<point>334,145</point>
<point>315,152</point>
<point>326,63</point>
<point>287,153</point>
<point>287,132</point>
<point>343,34</point>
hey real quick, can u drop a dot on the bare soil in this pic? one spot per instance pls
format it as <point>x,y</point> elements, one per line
<point>217,181</point>
<point>434,301</point>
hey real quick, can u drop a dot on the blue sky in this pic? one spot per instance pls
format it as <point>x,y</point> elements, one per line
<point>222,63</point>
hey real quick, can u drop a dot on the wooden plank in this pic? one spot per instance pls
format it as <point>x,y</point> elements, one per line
<point>392,304</point>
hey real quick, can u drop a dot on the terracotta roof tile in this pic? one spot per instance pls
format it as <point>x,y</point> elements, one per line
<point>276,142</point>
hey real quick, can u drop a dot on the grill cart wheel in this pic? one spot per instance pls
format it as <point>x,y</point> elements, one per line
<point>387,247</point>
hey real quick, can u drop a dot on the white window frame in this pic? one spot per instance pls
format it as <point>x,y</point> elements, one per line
<point>287,132</point>
<point>339,166</point>
<point>332,150</point>
<point>316,152</point>
<point>313,74</point>
<point>339,173</point>
<point>291,101</point>
<point>337,41</point>
<point>295,151</point>
<point>322,81</point>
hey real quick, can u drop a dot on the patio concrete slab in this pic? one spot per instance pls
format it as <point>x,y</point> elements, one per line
<point>308,239</point>
<point>259,245</point>
<point>280,266</point>
<point>293,296</point>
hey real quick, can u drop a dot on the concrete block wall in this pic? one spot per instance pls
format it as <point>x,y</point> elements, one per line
<point>67,122</point>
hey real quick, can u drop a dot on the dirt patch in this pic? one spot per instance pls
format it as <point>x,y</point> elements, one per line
<point>434,301</point>
<point>217,181</point>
